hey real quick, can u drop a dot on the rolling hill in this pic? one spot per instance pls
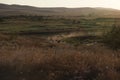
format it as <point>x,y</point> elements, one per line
<point>7,10</point>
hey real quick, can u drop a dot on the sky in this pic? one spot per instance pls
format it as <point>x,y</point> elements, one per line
<point>66,3</point>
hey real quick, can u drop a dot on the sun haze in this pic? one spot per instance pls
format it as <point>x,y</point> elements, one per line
<point>66,3</point>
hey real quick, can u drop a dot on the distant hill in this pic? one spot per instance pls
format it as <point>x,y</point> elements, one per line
<point>6,10</point>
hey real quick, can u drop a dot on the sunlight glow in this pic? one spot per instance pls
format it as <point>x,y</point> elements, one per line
<point>66,3</point>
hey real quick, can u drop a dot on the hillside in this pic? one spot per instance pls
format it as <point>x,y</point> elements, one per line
<point>6,10</point>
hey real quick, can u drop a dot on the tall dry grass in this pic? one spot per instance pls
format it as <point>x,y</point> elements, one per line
<point>31,61</point>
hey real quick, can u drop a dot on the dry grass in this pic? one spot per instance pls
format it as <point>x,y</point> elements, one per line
<point>31,61</point>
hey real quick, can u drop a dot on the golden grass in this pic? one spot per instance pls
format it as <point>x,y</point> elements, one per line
<point>32,61</point>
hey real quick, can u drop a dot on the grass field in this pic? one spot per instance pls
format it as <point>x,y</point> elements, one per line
<point>48,23</point>
<point>56,48</point>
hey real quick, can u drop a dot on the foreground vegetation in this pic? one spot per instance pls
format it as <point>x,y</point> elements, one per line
<point>26,60</point>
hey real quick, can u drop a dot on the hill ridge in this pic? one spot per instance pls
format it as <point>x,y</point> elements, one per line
<point>15,9</point>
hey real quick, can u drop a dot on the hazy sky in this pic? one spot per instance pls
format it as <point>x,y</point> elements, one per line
<point>66,3</point>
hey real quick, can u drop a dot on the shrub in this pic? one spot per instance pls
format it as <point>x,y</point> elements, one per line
<point>112,38</point>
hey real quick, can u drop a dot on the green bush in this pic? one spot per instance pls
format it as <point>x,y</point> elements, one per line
<point>112,38</point>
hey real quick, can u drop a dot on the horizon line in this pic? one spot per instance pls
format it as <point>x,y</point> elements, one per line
<point>58,6</point>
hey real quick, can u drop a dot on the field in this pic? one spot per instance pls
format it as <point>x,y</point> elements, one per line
<point>57,48</point>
